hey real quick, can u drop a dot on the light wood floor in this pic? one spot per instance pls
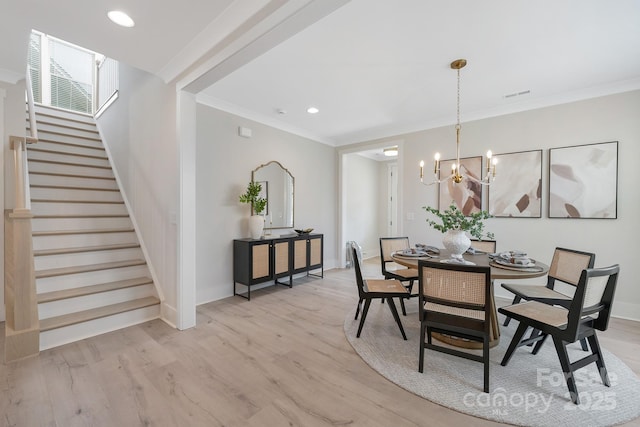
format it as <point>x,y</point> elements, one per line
<point>279,360</point>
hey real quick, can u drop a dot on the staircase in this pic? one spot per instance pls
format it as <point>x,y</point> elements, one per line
<point>91,273</point>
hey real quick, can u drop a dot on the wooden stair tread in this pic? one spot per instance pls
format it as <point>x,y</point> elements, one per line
<point>70,175</point>
<point>68,187</point>
<point>95,313</point>
<point>88,202</point>
<point>51,132</point>
<point>92,289</point>
<point>53,162</point>
<point>82,216</point>
<point>66,153</point>
<point>60,251</point>
<point>51,272</point>
<point>90,231</point>
<point>43,111</point>
<point>71,144</point>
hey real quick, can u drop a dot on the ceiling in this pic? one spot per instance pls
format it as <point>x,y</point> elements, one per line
<point>374,68</point>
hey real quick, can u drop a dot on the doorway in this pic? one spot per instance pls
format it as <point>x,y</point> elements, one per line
<point>369,197</point>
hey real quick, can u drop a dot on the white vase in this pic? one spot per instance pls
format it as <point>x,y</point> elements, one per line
<point>256,225</point>
<point>457,242</point>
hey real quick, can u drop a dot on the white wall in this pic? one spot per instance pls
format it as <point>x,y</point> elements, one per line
<point>139,130</point>
<point>223,167</point>
<point>610,118</point>
<point>5,139</point>
<point>362,203</point>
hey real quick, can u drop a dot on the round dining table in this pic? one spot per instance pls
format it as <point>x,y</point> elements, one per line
<point>498,271</point>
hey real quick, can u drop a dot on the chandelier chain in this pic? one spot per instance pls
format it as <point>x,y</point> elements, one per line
<point>458,110</point>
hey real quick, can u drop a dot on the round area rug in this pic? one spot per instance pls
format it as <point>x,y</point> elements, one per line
<point>529,391</point>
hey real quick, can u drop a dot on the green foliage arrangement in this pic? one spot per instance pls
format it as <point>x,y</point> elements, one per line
<point>454,219</point>
<point>252,195</point>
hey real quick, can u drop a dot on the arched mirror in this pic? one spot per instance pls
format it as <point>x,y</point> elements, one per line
<point>278,188</point>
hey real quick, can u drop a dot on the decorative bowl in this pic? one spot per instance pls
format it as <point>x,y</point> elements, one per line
<point>303,231</point>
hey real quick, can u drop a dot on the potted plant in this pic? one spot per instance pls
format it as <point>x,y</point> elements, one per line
<point>252,196</point>
<point>456,225</point>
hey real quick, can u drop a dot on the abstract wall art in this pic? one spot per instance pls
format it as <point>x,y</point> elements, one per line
<point>517,190</point>
<point>467,195</point>
<point>583,181</point>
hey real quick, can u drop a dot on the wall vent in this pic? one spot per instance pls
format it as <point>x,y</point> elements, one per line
<point>514,94</point>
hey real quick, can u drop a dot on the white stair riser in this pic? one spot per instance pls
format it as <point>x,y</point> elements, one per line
<point>45,193</point>
<point>64,114</point>
<point>82,240</point>
<point>70,130</point>
<point>89,142</point>
<point>56,121</point>
<point>71,281</point>
<point>38,208</point>
<point>71,149</point>
<point>69,169</point>
<point>60,336</point>
<point>53,224</point>
<point>46,262</point>
<point>67,181</point>
<point>67,158</point>
<point>87,302</point>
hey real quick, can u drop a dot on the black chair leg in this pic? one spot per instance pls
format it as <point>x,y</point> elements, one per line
<point>602,369</point>
<point>392,307</point>
<point>583,344</point>
<point>423,330</point>
<point>516,300</point>
<point>515,343</point>
<point>404,311</point>
<point>539,344</point>
<point>485,362</point>
<point>365,310</point>
<point>566,368</point>
<point>358,309</point>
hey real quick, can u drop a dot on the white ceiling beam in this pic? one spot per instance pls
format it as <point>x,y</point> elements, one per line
<point>262,32</point>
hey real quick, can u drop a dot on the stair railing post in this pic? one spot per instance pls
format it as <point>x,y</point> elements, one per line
<point>18,145</point>
<point>22,325</point>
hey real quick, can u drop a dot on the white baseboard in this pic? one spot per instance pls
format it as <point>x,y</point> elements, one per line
<point>169,315</point>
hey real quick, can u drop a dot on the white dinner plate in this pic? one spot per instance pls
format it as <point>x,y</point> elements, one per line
<point>409,253</point>
<point>503,261</point>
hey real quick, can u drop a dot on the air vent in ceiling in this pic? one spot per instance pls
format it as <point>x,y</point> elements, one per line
<point>514,94</point>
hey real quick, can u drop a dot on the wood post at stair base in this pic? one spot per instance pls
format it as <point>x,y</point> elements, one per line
<point>22,328</point>
<point>21,344</point>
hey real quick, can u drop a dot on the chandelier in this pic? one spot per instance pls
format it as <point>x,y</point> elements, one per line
<point>456,174</point>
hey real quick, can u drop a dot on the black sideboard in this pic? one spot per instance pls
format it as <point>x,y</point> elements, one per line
<point>275,258</point>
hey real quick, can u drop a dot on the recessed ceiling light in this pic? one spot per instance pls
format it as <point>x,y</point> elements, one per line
<point>121,18</point>
<point>390,152</point>
<point>312,110</point>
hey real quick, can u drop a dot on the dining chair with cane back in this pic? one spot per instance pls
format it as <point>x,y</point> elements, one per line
<point>486,246</point>
<point>593,296</point>
<point>389,245</point>
<point>455,300</point>
<point>371,289</point>
<point>566,266</point>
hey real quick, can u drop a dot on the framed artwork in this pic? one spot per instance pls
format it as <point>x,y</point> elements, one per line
<point>468,194</point>
<point>583,181</point>
<point>517,189</point>
<point>264,193</point>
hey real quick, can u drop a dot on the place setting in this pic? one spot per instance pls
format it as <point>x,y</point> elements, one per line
<point>420,251</point>
<point>515,260</point>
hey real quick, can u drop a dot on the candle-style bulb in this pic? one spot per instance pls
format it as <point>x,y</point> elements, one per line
<point>437,157</point>
<point>489,154</point>
<point>421,163</point>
